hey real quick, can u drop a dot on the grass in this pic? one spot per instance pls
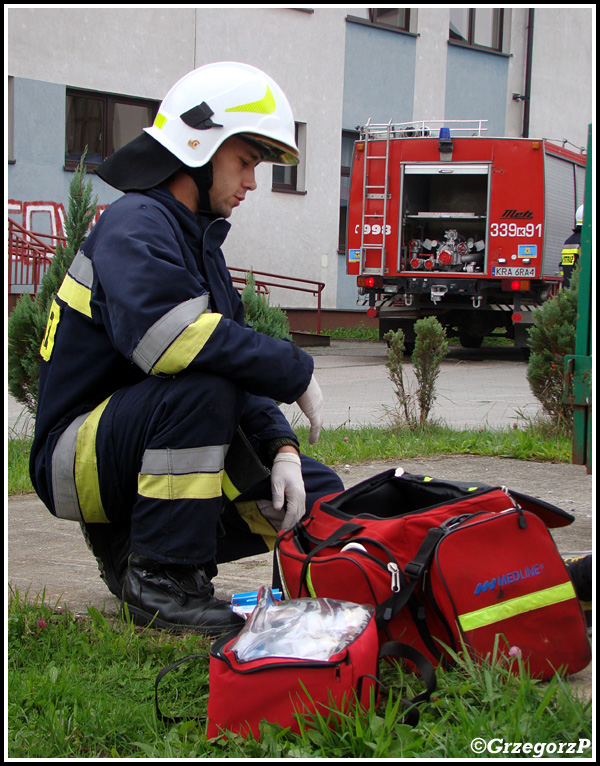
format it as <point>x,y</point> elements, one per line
<point>349,445</point>
<point>83,687</point>
<point>345,445</point>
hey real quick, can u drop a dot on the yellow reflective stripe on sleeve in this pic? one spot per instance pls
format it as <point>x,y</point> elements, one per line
<point>257,523</point>
<point>515,606</point>
<point>188,345</point>
<point>51,326</point>
<point>191,486</point>
<point>229,489</point>
<point>75,295</point>
<point>86,468</point>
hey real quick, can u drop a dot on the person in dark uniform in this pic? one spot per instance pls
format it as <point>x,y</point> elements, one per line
<point>157,427</point>
<point>571,250</point>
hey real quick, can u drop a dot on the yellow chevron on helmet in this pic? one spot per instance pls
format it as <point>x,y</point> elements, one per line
<point>216,101</point>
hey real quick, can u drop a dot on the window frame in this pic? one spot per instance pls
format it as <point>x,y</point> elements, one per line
<point>296,172</point>
<point>109,101</point>
<point>345,173</point>
<point>470,41</point>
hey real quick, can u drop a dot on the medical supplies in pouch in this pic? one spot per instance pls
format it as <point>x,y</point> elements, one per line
<point>445,564</point>
<point>295,657</point>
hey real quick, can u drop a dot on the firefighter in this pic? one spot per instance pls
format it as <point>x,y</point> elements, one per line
<point>157,422</point>
<point>572,250</point>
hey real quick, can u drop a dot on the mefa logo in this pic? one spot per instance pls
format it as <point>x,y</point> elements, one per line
<point>508,578</point>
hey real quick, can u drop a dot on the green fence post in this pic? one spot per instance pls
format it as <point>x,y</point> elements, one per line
<point>578,367</point>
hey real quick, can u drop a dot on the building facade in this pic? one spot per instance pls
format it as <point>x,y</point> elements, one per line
<point>94,77</point>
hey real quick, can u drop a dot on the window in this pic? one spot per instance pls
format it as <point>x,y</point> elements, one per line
<point>103,123</point>
<point>478,27</point>
<point>290,178</point>
<point>348,139</point>
<point>398,18</point>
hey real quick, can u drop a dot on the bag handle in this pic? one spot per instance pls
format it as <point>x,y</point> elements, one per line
<point>161,716</point>
<point>399,651</point>
<point>346,529</point>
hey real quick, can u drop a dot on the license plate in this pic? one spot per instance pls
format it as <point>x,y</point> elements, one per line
<point>513,271</point>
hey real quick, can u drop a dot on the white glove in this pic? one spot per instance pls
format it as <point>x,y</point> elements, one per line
<point>287,485</point>
<point>311,404</point>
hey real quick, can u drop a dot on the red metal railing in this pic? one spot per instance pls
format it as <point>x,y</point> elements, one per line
<point>29,257</point>
<point>316,290</point>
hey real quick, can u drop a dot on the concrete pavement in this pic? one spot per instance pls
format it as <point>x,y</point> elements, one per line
<point>475,388</point>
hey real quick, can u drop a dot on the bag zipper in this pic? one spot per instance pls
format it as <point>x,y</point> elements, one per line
<point>392,566</point>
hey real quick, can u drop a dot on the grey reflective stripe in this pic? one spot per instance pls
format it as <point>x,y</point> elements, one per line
<point>158,462</point>
<point>82,270</point>
<point>64,491</point>
<point>163,332</point>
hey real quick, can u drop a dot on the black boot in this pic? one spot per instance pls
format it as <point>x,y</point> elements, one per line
<point>175,597</point>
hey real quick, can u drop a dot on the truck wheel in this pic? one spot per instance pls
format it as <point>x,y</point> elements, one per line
<point>111,546</point>
<point>470,341</point>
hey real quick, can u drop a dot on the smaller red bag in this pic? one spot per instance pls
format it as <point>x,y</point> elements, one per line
<point>274,688</point>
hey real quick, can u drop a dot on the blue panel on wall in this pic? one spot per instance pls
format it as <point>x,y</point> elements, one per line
<point>476,87</point>
<point>379,75</point>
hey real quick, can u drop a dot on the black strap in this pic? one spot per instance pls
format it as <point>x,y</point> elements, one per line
<point>389,608</point>
<point>159,677</point>
<point>340,532</point>
<point>399,651</point>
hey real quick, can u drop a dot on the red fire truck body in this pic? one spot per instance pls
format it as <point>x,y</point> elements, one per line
<point>466,228</point>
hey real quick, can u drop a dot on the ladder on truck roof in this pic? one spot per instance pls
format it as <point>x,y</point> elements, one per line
<point>422,129</point>
<point>375,192</point>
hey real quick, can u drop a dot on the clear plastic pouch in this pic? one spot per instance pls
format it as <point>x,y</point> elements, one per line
<point>304,628</point>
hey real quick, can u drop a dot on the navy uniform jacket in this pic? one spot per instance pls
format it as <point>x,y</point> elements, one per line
<point>149,293</point>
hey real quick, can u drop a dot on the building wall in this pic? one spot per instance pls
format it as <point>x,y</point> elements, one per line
<point>563,74</point>
<point>141,52</point>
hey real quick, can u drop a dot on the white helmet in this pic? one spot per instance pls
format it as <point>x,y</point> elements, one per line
<point>216,101</point>
<point>579,216</point>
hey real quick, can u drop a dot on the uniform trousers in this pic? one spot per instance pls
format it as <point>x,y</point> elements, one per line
<point>160,453</point>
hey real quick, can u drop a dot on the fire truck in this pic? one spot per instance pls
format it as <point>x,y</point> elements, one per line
<point>445,221</point>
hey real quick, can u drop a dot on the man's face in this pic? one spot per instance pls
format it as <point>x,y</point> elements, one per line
<point>233,175</point>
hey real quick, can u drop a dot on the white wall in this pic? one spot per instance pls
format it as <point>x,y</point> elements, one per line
<point>291,234</point>
<point>562,83</point>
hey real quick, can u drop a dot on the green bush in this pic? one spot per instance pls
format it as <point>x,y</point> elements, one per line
<point>551,338</point>
<point>260,315</point>
<point>431,346</point>
<point>27,322</point>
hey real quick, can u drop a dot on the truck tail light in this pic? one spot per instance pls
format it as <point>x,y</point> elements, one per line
<point>514,285</point>
<point>373,282</point>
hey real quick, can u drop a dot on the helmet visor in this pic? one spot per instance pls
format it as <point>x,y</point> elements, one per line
<point>273,151</point>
